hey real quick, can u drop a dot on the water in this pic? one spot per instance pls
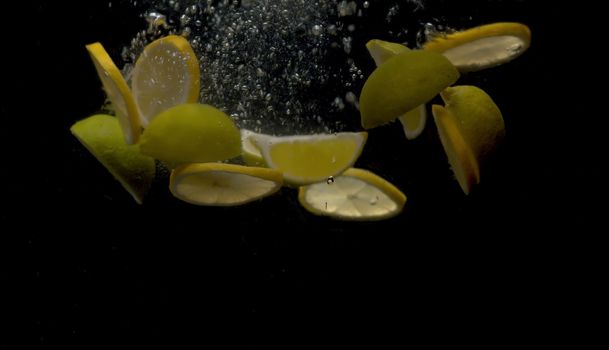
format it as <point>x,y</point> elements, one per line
<point>275,66</point>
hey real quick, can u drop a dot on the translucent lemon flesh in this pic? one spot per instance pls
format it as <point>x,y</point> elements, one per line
<point>165,75</point>
<point>218,184</point>
<point>357,194</point>
<point>402,83</point>
<point>191,133</point>
<point>102,136</point>
<point>312,158</point>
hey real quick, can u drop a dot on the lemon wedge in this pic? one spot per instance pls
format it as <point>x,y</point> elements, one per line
<point>402,83</point>
<point>249,151</point>
<point>356,194</point>
<point>118,92</point>
<point>413,122</point>
<point>460,157</point>
<point>382,50</point>
<point>484,46</point>
<point>219,184</point>
<point>191,133</point>
<point>306,159</point>
<point>165,75</point>
<point>102,136</point>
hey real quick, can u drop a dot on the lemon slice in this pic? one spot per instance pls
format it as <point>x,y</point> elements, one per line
<point>413,121</point>
<point>118,92</point>
<point>165,75</point>
<point>403,83</point>
<point>356,194</point>
<point>102,136</point>
<point>191,133</point>
<point>219,184</point>
<point>312,158</point>
<point>249,151</point>
<point>460,156</point>
<point>482,47</point>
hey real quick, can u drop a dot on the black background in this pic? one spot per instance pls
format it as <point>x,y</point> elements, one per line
<point>85,265</point>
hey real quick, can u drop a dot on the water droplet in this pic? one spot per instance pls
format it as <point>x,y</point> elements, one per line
<point>366,4</point>
<point>317,30</point>
<point>329,182</point>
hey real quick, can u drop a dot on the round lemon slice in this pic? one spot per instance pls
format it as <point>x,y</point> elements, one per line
<point>102,136</point>
<point>306,159</point>
<point>220,184</point>
<point>482,47</point>
<point>356,194</point>
<point>414,120</point>
<point>249,151</point>
<point>118,92</point>
<point>165,75</point>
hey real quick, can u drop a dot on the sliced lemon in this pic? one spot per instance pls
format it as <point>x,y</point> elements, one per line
<point>307,159</point>
<point>219,184</point>
<point>414,120</point>
<point>460,156</point>
<point>356,194</point>
<point>191,133</point>
<point>165,75</point>
<point>118,92</point>
<point>102,136</point>
<point>482,47</point>
<point>381,50</point>
<point>249,151</point>
<point>478,118</point>
<point>403,83</point>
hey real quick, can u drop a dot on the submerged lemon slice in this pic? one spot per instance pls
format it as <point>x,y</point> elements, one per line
<point>413,121</point>
<point>249,151</point>
<point>102,136</point>
<point>356,194</point>
<point>307,159</point>
<point>191,133</point>
<point>165,75</point>
<point>118,92</point>
<point>219,184</point>
<point>403,83</point>
<point>482,47</point>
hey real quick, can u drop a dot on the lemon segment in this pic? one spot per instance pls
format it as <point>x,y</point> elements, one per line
<point>249,151</point>
<point>191,133</point>
<point>165,75</point>
<point>356,194</point>
<point>219,184</point>
<point>479,119</point>
<point>484,46</point>
<point>414,122</point>
<point>381,50</point>
<point>403,83</point>
<point>102,136</point>
<point>307,159</point>
<point>460,156</point>
<point>118,92</point>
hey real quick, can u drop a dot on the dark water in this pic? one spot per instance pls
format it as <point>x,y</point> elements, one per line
<point>85,265</point>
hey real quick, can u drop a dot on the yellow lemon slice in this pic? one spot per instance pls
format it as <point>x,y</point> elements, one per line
<point>381,50</point>
<point>191,133</point>
<point>165,75</point>
<point>249,151</point>
<point>482,47</point>
<point>219,184</point>
<point>402,83</point>
<point>102,136</point>
<point>118,92</point>
<point>356,194</point>
<point>460,156</point>
<point>307,159</point>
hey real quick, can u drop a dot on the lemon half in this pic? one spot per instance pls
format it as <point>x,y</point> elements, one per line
<point>102,136</point>
<point>306,159</point>
<point>165,75</point>
<point>118,92</point>
<point>356,194</point>
<point>484,46</point>
<point>219,184</point>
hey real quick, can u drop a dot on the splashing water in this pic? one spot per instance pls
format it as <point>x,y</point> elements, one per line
<point>275,66</point>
